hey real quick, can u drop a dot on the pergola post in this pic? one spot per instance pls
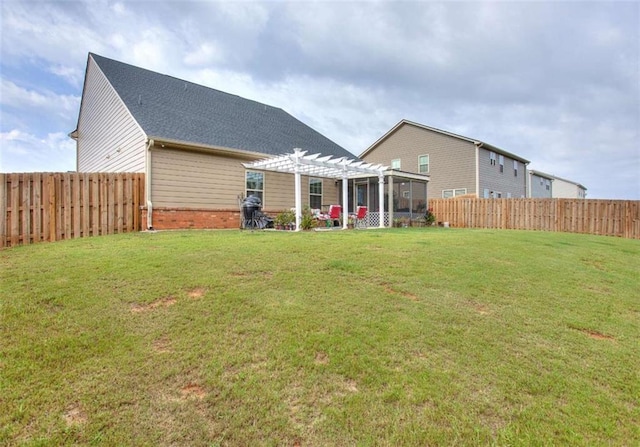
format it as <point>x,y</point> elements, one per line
<point>298,188</point>
<point>381,199</point>
<point>345,200</point>
<point>390,188</point>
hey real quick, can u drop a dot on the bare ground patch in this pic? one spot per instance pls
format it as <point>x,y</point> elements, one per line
<point>196,293</point>
<point>389,289</point>
<point>74,416</point>
<point>162,302</point>
<point>597,335</point>
<point>321,358</point>
<point>193,391</point>
<point>162,345</point>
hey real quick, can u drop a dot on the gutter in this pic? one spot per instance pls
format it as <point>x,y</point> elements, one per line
<point>147,186</point>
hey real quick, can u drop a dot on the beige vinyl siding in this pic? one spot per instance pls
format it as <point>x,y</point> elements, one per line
<point>186,179</point>
<point>566,189</point>
<point>109,139</point>
<point>451,160</point>
<point>280,191</point>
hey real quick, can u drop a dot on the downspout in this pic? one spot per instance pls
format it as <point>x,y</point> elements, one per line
<point>147,187</point>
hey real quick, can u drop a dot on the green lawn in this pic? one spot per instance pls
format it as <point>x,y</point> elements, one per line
<point>417,336</point>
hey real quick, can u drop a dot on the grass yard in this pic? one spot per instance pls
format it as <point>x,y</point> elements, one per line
<point>407,337</point>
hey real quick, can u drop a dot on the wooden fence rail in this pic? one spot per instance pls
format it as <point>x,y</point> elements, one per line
<point>602,217</point>
<point>36,207</point>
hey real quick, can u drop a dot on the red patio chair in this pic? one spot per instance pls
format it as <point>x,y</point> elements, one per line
<point>334,214</point>
<point>361,213</point>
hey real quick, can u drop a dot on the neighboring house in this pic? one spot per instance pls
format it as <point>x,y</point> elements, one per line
<point>568,189</point>
<point>456,165</point>
<point>191,141</point>
<point>540,185</point>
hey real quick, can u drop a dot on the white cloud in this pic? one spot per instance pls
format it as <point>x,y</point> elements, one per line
<point>59,109</point>
<point>24,152</point>
<point>205,54</point>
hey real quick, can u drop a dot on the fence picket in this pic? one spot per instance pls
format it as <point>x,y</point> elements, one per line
<point>590,216</point>
<point>36,207</point>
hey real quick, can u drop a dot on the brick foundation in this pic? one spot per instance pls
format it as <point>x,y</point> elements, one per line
<point>191,218</point>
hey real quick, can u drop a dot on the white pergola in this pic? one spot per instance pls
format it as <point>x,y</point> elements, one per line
<point>316,165</point>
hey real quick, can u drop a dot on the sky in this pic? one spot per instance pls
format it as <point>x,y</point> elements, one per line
<point>557,83</point>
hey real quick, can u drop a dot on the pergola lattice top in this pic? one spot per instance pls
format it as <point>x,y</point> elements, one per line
<point>316,165</point>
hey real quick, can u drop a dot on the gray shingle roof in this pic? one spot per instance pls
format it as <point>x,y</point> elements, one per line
<point>174,109</point>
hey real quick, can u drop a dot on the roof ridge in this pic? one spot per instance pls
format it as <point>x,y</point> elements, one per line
<point>156,73</point>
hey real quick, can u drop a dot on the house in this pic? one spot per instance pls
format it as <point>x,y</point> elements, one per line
<point>568,189</point>
<point>540,185</point>
<point>551,186</point>
<point>191,142</point>
<point>456,165</point>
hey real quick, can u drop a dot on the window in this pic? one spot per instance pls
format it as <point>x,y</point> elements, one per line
<point>492,158</point>
<point>255,184</point>
<point>498,195</point>
<point>447,193</point>
<point>486,193</point>
<point>547,184</point>
<point>423,164</point>
<point>508,195</point>
<point>501,163</point>
<point>395,164</point>
<point>515,168</point>
<point>315,193</point>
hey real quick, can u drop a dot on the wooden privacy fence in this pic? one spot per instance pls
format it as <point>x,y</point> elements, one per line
<point>603,217</point>
<point>36,207</point>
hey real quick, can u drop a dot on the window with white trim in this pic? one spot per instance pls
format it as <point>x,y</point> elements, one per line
<point>395,164</point>
<point>501,161</point>
<point>492,158</point>
<point>423,164</point>
<point>515,168</point>
<point>315,193</point>
<point>447,193</point>
<point>486,193</point>
<point>255,184</point>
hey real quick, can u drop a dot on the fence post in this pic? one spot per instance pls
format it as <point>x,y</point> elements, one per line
<point>3,210</point>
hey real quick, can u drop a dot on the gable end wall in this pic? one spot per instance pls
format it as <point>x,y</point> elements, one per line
<point>451,160</point>
<point>109,139</point>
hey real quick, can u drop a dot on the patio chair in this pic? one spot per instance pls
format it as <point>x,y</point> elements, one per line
<point>334,214</point>
<point>361,214</point>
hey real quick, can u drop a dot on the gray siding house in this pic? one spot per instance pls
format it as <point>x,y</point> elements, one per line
<point>540,185</point>
<point>456,165</point>
<point>191,141</point>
